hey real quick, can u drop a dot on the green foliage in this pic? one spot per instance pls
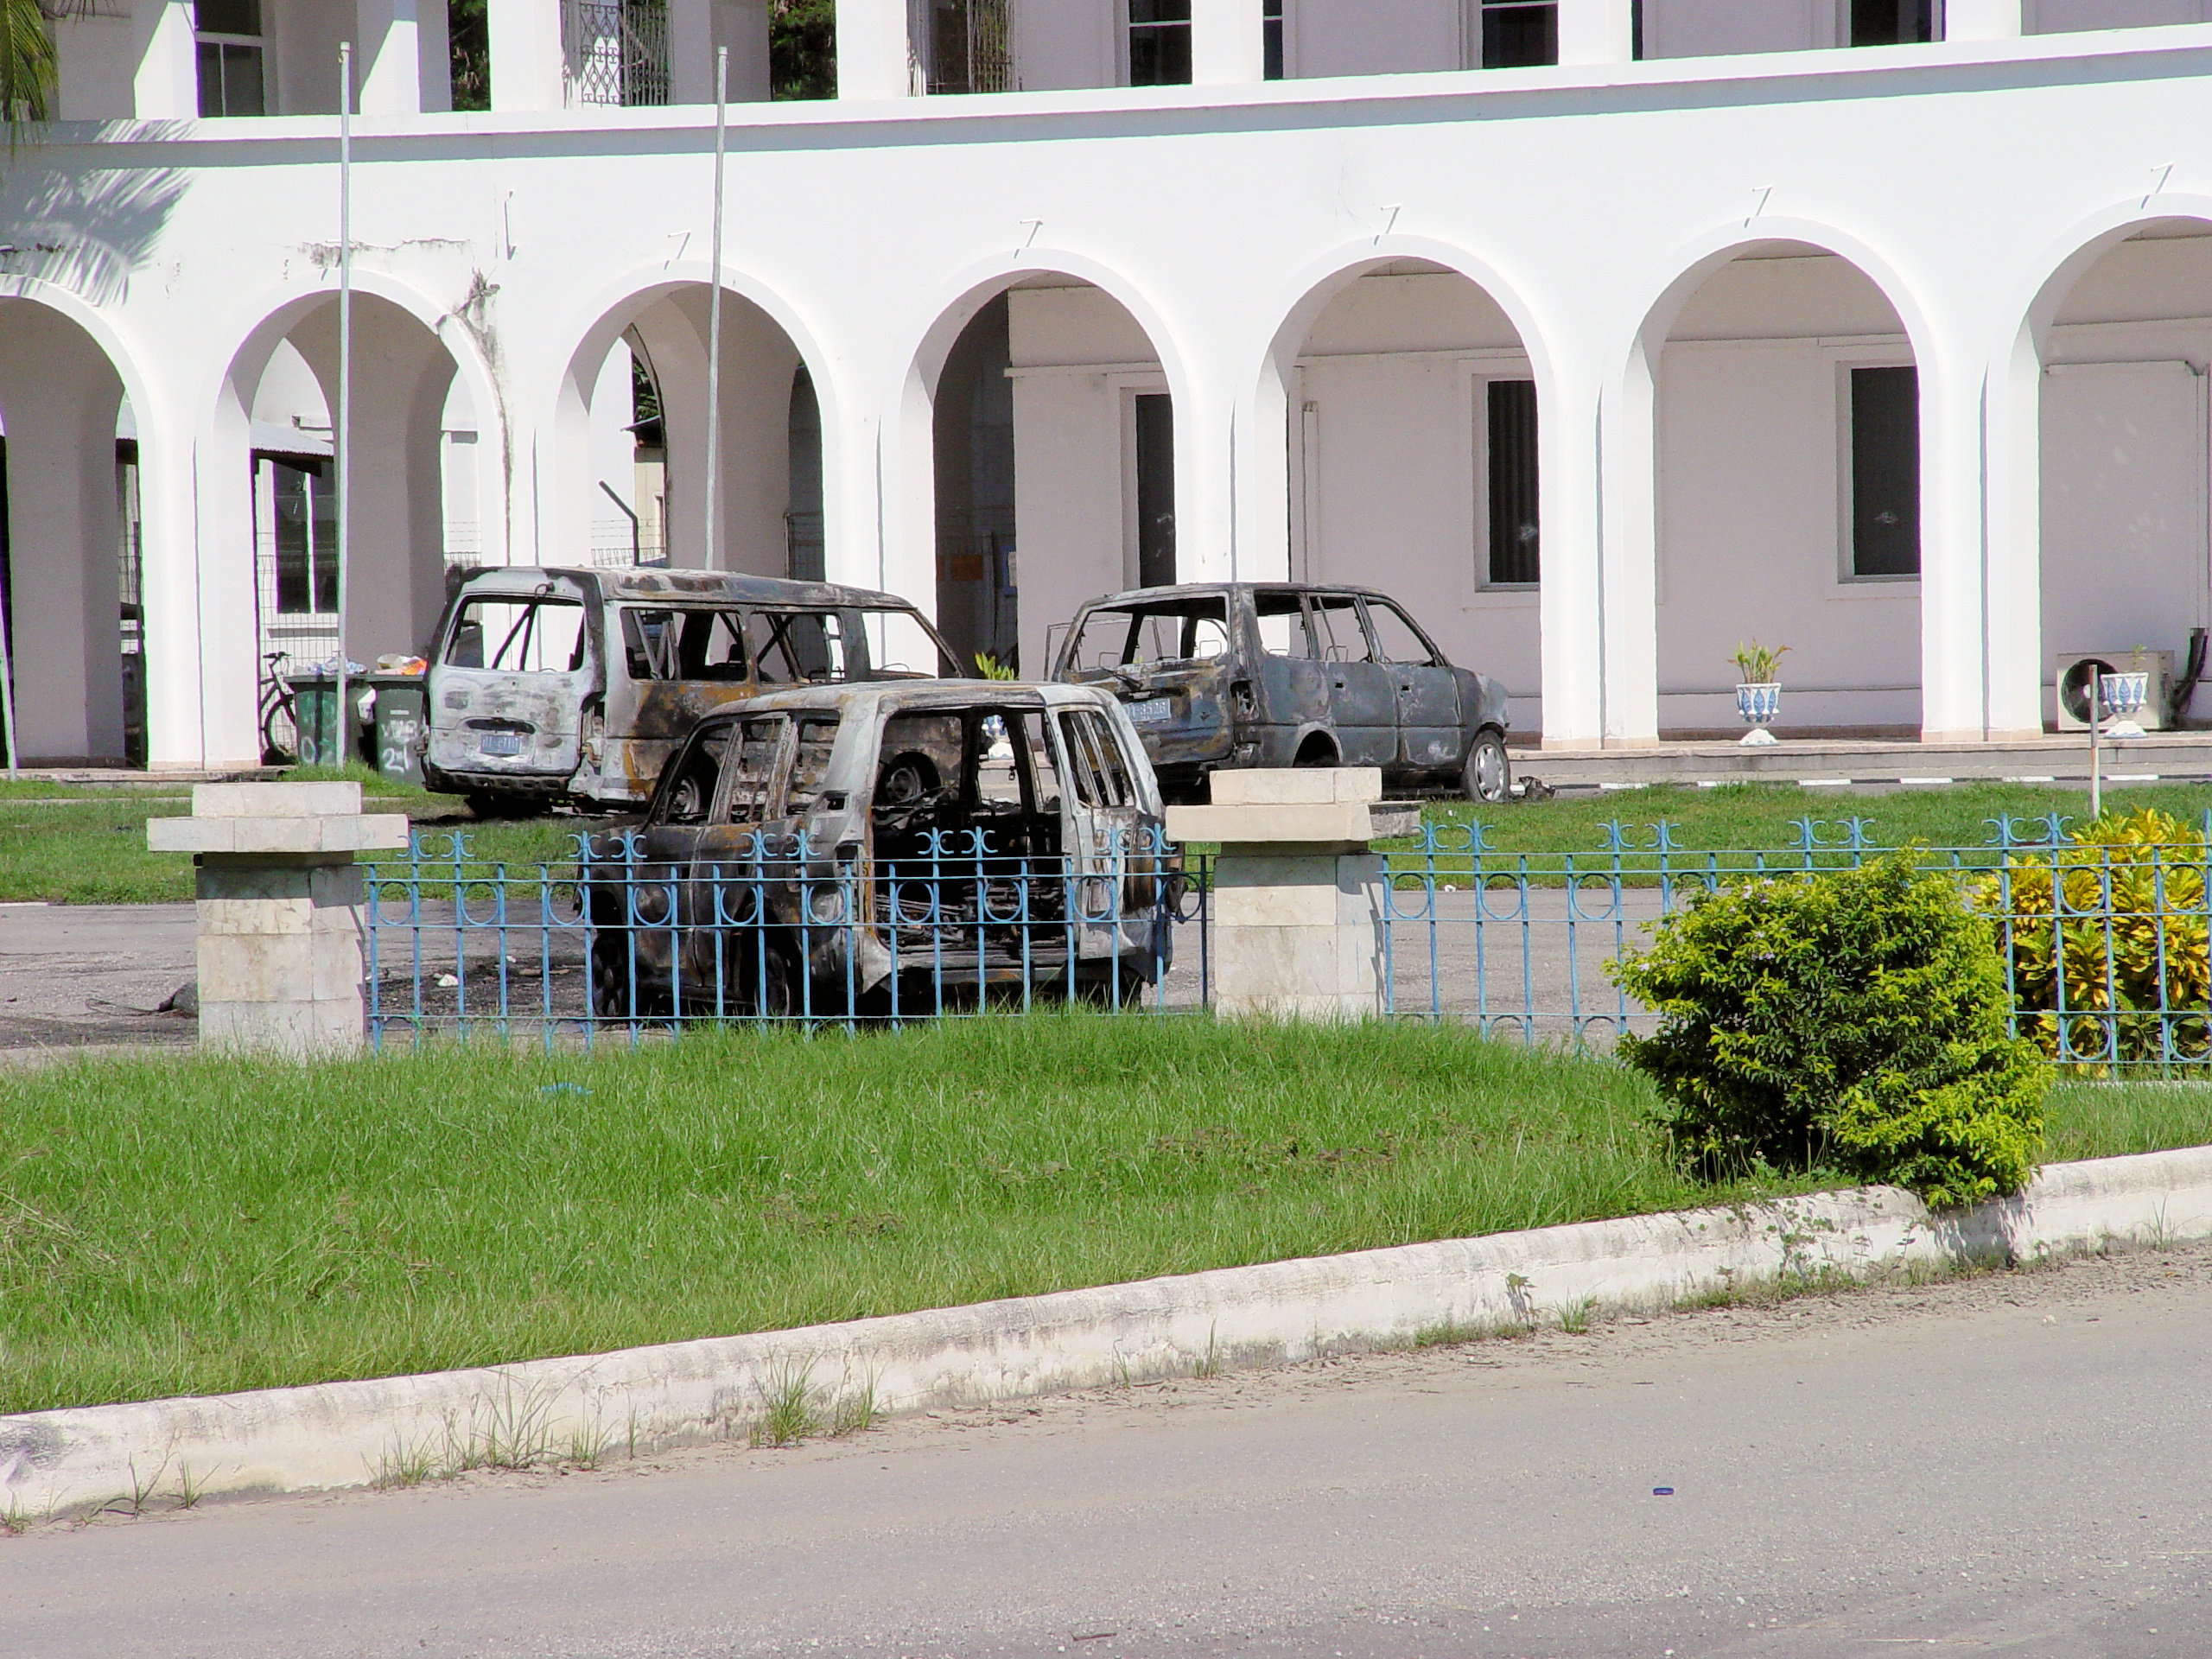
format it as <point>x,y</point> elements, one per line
<point>2122,912</point>
<point>26,67</point>
<point>468,40</point>
<point>1757,663</point>
<point>991,668</point>
<point>1855,1019</point>
<point>803,49</point>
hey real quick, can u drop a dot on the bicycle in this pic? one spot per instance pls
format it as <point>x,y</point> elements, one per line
<point>280,725</point>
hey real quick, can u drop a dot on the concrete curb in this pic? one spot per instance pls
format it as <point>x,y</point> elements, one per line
<point>341,1435</point>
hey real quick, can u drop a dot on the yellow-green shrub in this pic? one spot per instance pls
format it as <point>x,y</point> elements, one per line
<point>2120,909</point>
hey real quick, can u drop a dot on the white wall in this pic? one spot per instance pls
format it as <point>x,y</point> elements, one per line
<point>1077,357</point>
<point>2050,17</point>
<point>1392,475</point>
<point>95,62</point>
<point>1370,37</point>
<point>1694,28</point>
<point>2128,461</point>
<point>1752,458</point>
<point>1064,43</point>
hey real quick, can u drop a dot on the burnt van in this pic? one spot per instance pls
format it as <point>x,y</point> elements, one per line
<point>552,686</point>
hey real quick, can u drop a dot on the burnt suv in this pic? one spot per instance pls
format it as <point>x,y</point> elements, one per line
<point>889,848</point>
<point>1221,675</point>
<point>552,685</point>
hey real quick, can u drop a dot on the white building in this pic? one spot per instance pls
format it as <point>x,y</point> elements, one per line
<point>1720,327</point>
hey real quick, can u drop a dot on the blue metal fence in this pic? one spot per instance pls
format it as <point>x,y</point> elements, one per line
<point>2105,943</point>
<point>771,930</point>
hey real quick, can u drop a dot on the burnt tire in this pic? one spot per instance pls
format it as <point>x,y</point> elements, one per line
<point>618,991</point>
<point>1487,777</point>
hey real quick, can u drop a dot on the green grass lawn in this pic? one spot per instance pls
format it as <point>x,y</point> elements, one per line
<point>90,849</point>
<point>192,1226</point>
<point>86,844</point>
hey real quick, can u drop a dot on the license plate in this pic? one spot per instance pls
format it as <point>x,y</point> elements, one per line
<point>1151,712</point>
<point>501,743</point>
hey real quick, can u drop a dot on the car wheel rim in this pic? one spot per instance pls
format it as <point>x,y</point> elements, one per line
<point>1490,772</point>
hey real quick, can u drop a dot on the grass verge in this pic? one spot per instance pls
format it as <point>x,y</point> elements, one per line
<point>201,1226</point>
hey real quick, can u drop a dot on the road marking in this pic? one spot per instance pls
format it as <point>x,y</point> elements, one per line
<point>1824,783</point>
<point>2030,778</point>
<point>1923,780</point>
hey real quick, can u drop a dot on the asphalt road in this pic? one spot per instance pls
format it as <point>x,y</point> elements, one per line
<point>2018,1464</point>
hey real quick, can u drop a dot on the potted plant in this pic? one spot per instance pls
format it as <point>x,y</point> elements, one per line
<point>1759,692</point>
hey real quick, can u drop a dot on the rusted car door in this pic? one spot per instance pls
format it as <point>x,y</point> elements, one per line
<point>741,870</point>
<point>674,665</point>
<point>1429,733</point>
<point>1113,884</point>
<point>1363,695</point>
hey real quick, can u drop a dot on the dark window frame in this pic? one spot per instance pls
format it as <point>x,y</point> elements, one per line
<point>1881,473</point>
<point>1156,42</point>
<point>1516,33</point>
<point>1512,484</point>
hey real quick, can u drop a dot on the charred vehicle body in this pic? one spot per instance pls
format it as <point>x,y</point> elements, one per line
<point>1217,676</point>
<point>576,685</point>
<point>890,848</point>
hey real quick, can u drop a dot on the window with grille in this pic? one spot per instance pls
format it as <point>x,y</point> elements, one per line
<point>1514,537</point>
<point>1159,42</point>
<point>228,45</point>
<point>971,47</point>
<point>1892,23</point>
<point>1885,471</point>
<point>1519,34</point>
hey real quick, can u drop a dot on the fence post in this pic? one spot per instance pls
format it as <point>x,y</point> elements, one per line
<point>279,900</point>
<point>1298,898</point>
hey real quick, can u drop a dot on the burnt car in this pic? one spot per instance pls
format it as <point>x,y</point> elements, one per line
<point>574,686</point>
<point>1218,675</point>
<point>893,848</point>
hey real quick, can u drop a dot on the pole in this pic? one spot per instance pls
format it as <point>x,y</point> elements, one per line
<point>7,695</point>
<point>342,435</point>
<point>2096,779</point>
<point>715,307</point>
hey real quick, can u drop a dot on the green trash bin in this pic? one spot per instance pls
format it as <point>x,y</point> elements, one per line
<point>403,711</point>
<point>314,716</point>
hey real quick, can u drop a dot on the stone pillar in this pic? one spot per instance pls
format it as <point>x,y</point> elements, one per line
<point>527,67</point>
<point>279,904</point>
<point>875,57</point>
<point>1600,31</point>
<point>1297,889</point>
<point>434,56</point>
<point>165,82</point>
<point>1981,19</point>
<point>387,57</point>
<point>1228,43</point>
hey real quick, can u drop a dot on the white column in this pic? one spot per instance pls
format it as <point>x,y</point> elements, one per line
<point>526,63</point>
<point>387,57</point>
<point>1956,705</point>
<point>1228,43</point>
<point>2013,444</point>
<point>434,55</point>
<point>1981,19</point>
<point>1599,31</point>
<point>166,81</point>
<point>875,58</point>
<point>690,51</point>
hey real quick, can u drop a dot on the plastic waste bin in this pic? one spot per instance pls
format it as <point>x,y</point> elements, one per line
<point>315,716</point>
<point>402,712</point>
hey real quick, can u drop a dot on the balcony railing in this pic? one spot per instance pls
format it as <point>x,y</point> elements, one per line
<point>615,51</point>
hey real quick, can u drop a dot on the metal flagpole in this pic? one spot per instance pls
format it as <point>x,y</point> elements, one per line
<point>8,696</point>
<point>715,306</point>
<point>342,437</point>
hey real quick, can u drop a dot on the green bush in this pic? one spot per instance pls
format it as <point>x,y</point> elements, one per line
<point>1855,1019</point>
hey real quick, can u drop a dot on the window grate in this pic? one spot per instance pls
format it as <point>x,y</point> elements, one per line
<point>615,51</point>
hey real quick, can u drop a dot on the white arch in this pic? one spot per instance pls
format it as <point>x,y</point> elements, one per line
<point>601,322</point>
<point>1626,600</point>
